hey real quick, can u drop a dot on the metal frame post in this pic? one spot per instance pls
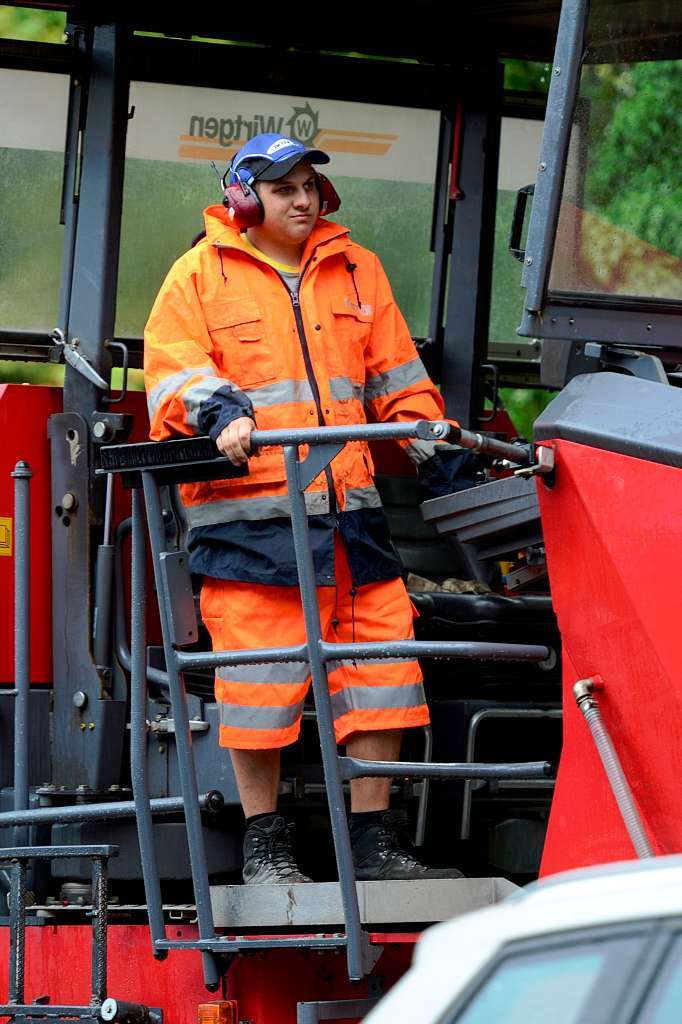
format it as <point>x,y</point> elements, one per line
<point>17,935</point>
<point>183,740</point>
<point>138,730</point>
<point>553,154</point>
<point>99,931</point>
<point>22,635</point>
<point>355,950</point>
<point>87,313</point>
<point>465,336</point>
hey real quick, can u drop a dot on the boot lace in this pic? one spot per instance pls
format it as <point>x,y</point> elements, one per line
<point>277,849</point>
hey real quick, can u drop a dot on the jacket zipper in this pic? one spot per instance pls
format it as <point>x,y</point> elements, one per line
<point>310,373</point>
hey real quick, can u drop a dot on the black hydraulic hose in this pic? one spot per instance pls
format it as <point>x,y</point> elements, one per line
<point>587,702</point>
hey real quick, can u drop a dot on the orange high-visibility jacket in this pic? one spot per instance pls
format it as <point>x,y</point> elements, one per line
<point>225,339</point>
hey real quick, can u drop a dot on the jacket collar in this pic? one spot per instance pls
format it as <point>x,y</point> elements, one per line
<point>221,232</point>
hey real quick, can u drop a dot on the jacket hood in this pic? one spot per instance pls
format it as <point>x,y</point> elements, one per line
<point>221,230</point>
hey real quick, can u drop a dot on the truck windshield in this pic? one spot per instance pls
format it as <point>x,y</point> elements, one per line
<point>620,222</point>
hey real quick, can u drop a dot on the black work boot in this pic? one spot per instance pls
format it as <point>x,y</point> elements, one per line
<point>268,854</point>
<point>381,851</point>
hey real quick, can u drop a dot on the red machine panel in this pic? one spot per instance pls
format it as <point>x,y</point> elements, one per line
<point>613,531</point>
<point>24,413</point>
<point>266,985</point>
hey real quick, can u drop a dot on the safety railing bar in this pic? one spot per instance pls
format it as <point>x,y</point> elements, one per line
<point>101,811</point>
<point>356,768</point>
<point>46,1010</point>
<point>423,801</point>
<point>99,930</point>
<point>426,430</point>
<point>183,742</point>
<point>53,852</point>
<point>17,933</point>
<point>357,966</point>
<point>245,943</point>
<point>22,623</point>
<point>217,659</point>
<point>377,651</point>
<point>474,722</point>
<point>457,649</point>
<point>138,730</point>
<point>129,458</point>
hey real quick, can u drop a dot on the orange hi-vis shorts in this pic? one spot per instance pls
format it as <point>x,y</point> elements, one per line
<point>261,705</point>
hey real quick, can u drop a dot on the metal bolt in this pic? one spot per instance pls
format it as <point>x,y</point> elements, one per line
<point>543,166</point>
<point>102,430</point>
<point>91,725</point>
<point>69,502</point>
<point>79,699</point>
<point>83,726</point>
<point>162,748</point>
<point>557,71</point>
<point>529,260</point>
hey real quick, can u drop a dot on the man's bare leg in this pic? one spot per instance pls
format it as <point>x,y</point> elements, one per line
<point>372,794</point>
<point>257,775</point>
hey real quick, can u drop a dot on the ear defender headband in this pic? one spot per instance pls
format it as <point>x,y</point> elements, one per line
<point>242,198</point>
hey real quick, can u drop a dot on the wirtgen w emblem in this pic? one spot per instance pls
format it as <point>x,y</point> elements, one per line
<point>303,125</point>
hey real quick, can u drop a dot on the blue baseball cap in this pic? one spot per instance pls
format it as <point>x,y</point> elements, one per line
<point>270,156</point>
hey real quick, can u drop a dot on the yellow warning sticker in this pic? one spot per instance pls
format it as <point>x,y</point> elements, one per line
<point>5,536</point>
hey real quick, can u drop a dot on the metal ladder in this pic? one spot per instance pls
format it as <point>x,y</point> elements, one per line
<point>145,467</point>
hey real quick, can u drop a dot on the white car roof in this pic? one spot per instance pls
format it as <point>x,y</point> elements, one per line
<point>450,954</point>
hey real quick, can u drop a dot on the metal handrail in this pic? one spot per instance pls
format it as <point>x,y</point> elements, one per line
<point>324,444</point>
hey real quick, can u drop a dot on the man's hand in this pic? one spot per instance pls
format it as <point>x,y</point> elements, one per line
<point>234,442</point>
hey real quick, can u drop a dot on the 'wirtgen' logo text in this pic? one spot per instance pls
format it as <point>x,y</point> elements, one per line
<point>303,125</point>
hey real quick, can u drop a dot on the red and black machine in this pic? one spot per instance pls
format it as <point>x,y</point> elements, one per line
<point>545,592</point>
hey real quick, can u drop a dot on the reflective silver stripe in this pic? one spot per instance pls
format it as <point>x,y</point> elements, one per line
<point>332,666</point>
<point>229,511</point>
<point>362,497</point>
<point>361,698</point>
<point>281,672</point>
<point>238,716</point>
<point>343,388</point>
<point>199,392</point>
<point>399,377</point>
<point>169,385</point>
<point>420,451</point>
<point>281,392</point>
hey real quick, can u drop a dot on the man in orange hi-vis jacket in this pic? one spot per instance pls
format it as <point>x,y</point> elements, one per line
<point>276,318</point>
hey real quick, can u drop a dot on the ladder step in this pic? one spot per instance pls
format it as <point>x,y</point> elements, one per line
<point>238,943</point>
<point>318,904</point>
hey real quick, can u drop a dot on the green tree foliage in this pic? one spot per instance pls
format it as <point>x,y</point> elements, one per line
<point>526,76</point>
<point>635,126</point>
<point>28,23</point>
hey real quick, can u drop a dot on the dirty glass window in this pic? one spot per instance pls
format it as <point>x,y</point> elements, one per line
<point>32,133</point>
<point>382,163</point>
<point>519,148</point>
<point>620,223</point>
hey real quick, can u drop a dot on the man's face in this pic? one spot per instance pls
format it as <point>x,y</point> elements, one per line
<point>291,204</point>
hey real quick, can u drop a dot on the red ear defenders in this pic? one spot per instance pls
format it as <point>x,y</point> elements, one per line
<point>248,208</point>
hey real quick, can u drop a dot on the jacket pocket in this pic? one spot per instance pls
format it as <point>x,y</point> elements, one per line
<point>351,328</point>
<point>239,334</point>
